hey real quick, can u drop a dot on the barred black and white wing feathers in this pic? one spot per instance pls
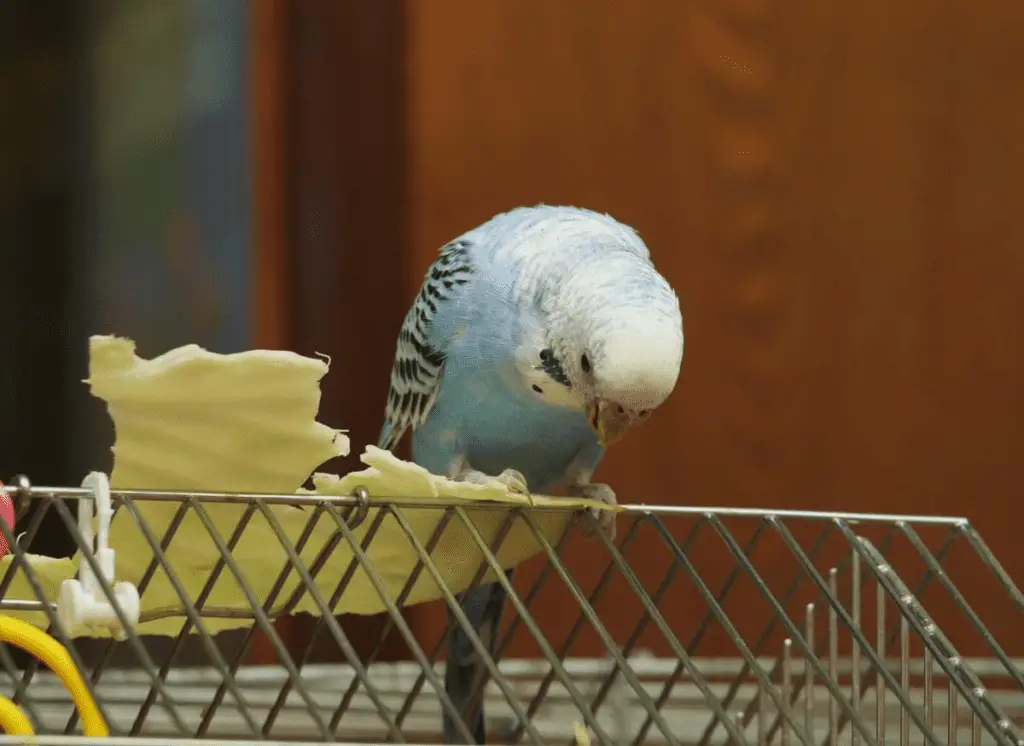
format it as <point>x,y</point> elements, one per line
<point>421,350</point>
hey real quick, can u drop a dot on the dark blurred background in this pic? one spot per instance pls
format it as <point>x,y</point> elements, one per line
<point>834,189</point>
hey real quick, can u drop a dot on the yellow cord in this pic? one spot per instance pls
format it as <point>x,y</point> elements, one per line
<point>13,720</point>
<point>53,654</point>
<point>581,735</point>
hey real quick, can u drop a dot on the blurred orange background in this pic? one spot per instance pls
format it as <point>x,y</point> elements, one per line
<point>832,189</point>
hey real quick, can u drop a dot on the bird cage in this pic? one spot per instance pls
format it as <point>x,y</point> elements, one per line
<point>732,626</point>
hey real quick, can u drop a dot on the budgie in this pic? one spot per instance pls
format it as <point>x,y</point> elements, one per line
<point>537,340</point>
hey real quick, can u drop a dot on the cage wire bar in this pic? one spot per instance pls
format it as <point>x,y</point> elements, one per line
<point>837,622</point>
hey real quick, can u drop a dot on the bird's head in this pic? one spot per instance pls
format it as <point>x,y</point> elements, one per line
<point>612,337</point>
<point>627,366</point>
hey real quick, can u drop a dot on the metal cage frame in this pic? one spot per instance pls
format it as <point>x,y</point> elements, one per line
<point>799,691</point>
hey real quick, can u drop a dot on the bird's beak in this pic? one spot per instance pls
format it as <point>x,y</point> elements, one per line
<point>609,421</point>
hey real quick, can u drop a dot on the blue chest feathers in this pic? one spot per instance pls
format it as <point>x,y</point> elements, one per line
<point>477,414</point>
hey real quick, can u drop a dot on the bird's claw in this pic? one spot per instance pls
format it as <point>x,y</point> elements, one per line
<point>600,520</point>
<point>514,481</point>
<point>510,479</point>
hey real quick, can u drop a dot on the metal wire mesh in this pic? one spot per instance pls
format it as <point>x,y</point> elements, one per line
<point>731,626</point>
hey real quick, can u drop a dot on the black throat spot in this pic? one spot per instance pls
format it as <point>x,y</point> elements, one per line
<point>553,367</point>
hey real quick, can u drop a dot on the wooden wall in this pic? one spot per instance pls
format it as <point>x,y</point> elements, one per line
<point>833,189</point>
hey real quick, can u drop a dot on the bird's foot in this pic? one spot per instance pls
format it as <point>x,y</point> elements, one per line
<point>513,480</point>
<point>600,520</point>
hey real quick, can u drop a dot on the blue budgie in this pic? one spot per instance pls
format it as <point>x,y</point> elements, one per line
<point>536,341</point>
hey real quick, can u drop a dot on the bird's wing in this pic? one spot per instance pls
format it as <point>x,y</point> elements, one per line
<point>422,346</point>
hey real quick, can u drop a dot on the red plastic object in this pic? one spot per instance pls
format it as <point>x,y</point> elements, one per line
<point>7,513</point>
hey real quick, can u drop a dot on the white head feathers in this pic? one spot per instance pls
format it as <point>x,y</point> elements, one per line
<point>611,320</point>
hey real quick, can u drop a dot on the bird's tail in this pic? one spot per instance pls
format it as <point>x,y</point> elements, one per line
<point>465,676</point>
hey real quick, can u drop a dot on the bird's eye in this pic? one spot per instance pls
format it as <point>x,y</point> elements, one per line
<point>643,412</point>
<point>585,363</point>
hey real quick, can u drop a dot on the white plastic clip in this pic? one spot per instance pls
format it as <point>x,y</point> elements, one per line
<point>82,601</point>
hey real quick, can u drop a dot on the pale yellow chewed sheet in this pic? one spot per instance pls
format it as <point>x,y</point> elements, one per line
<point>193,420</point>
